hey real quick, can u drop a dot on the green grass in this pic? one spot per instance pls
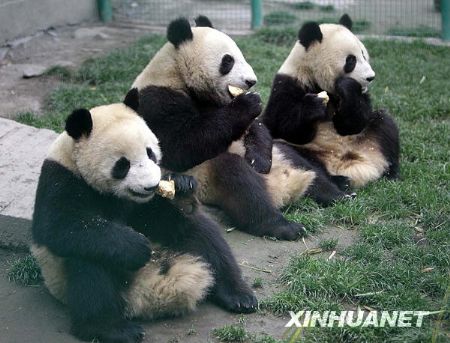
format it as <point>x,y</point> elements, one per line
<point>421,31</point>
<point>403,226</point>
<point>303,5</point>
<point>231,333</point>
<point>328,244</point>
<point>257,283</point>
<point>279,18</point>
<point>25,271</point>
<point>235,333</point>
<point>327,8</point>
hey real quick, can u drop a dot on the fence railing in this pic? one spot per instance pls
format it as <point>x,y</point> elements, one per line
<point>419,18</point>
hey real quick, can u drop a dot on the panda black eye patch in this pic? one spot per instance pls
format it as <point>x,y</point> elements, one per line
<point>151,155</point>
<point>227,64</point>
<point>350,63</point>
<point>121,168</point>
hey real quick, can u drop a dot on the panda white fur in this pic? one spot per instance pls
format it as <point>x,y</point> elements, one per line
<point>95,215</point>
<point>346,137</point>
<point>207,132</point>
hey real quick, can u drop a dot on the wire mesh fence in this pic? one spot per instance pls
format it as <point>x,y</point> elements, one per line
<point>385,17</point>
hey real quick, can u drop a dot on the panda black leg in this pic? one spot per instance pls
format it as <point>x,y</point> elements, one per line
<point>342,182</point>
<point>324,192</point>
<point>244,198</point>
<point>201,236</point>
<point>96,306</point>
<point>384,128</point>
<point>325,189</point>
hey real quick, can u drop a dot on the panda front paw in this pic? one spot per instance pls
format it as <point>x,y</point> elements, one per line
<point>313,107</point>
<point>247,106</point>
<point>347,88</point>
<point>184,184</point>
<point>261,164</point>
<point>135,252</point>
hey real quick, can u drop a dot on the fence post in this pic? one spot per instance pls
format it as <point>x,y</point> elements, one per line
<point>104,10</point>
<point>256,13</point>
<point>445,13</point>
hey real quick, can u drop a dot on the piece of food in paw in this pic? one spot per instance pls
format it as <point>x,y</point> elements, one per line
<point>324,95</point>
<point>235,91</point>
<point>166,189</point>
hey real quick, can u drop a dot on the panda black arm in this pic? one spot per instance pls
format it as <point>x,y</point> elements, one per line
<point>258,147</point>
<point>190,135</point>
<point>68,219</point>
<point>292,112</point>
<point>354,109</point>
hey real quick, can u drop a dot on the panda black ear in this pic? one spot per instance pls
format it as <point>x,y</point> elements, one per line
<point>203,21</point>
<point>132,99</point>
<point>309,33</point>
<point>179,31</point>
<point>346,21</point>
<point>79,123</point>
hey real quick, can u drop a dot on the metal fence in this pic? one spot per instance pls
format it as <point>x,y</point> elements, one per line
<point>385,17</point>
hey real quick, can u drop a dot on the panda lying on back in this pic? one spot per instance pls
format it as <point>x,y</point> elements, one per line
<point>206,131</point>
<point>95,213</point>
<point>346,138</point>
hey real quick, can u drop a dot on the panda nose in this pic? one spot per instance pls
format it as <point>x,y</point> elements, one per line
<point>370,79</point>
<point>250,83</point>
<point>151,188</point>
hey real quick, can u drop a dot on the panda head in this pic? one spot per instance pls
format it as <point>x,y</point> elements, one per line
<point>208,60</point>
<point>327,51</point>
<point>114,151</point>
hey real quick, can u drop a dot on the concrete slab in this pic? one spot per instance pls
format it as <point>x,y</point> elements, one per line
<point>15,233</point>
<point>22,150</point>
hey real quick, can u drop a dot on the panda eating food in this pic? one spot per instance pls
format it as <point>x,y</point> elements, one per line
<point>345,136</point>
<point>208,129</point>
<point>95,215</point>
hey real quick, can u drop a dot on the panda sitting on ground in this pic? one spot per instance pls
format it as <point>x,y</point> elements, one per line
<point>95,215</point>
<point>207,132</point>
<point>346,137</point>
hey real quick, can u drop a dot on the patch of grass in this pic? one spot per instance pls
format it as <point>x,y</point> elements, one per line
<point>328,244</point>
<point>279,18</point>
<point>284,36</point>
<point>257,283</point>
<point>421,31</point>
<point>327,8</point>
<point>60,72</point>
<point>303,5</point>
<point>264,339</point>
<point>25,271</point>
<point>231,333</point>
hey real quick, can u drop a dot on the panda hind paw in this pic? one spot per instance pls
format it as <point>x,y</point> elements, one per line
<point>242,301</point>
<point>288,231</point>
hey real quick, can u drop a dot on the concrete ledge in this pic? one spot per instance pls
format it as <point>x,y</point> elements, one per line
<point>15,233</point>
<point>23,149</point>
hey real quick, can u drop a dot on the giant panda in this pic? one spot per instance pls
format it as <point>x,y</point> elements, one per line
<point>209,133</point>
<point>95,215</point>
<point>346,137</point>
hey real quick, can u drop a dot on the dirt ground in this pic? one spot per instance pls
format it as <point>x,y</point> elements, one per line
<point>65,46</point>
